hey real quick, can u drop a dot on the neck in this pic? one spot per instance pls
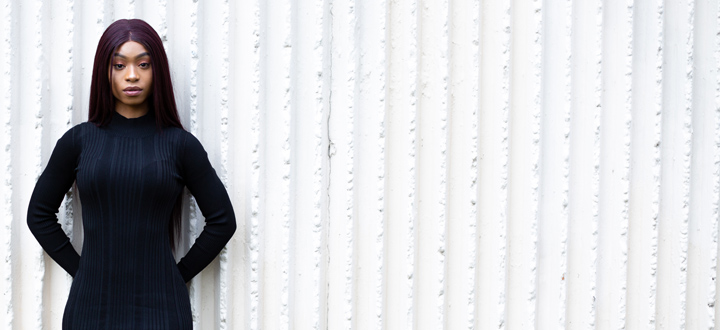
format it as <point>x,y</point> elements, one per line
<point>131,111</point>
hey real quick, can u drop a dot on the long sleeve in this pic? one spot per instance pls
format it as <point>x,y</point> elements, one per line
<point>47,196</point>
<point>214,202</point>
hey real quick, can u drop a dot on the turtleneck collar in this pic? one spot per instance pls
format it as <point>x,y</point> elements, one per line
<point>133,127</point>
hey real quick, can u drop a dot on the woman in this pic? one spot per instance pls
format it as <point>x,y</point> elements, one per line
<point>130,161</point>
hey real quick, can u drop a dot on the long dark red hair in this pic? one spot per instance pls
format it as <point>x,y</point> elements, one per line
<point>162,99</point>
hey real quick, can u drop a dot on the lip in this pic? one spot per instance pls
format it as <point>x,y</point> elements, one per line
<point>132,91</point>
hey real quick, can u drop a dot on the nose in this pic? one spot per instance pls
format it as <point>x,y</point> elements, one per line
<point>132,74</point>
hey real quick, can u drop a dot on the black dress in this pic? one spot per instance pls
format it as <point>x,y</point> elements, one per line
<point>129,175</point>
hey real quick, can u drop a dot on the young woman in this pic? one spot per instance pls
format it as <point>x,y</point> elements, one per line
<point>130,161</point>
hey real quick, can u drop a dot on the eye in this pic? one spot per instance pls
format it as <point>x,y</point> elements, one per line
<point>119,66</point>
<point>144,65</point>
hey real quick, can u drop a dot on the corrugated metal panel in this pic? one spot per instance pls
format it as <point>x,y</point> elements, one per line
<point>457,164</point>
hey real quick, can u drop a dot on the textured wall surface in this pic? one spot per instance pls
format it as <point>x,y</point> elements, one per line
<point>406,164</point>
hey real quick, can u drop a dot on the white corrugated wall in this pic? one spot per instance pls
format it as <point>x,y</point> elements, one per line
<point>407,164</point>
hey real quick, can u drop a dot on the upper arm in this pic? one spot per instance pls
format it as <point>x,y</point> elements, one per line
<point>59,173</point>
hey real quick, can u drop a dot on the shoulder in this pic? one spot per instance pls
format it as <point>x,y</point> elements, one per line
<point>73,136</point>
<point>83,130</point>
<point>174,136</point>
<point>79,128</point>
<point>185,144</point>
<point>193,157</point>
<point>191,145</point>
<point>175,132</point>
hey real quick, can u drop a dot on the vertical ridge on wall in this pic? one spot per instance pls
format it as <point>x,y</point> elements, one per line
<point>253,310</point>
<point>613,187</point>
<point>343,81</point>
<point>525,55</point>
<point>462,104</point>
<point>154,12</point>
<point>220,290</point>
<point>119,9</point>
<point>703,194</point>
<point>212,116</point>
<point>7,315</point>
<point>401,170</point>
<point>675,149</point>
<point>276,107</point>
<point>368,168</point>
<point>492,163</point>
<point>553,166</point>
<point>27,112</point>
<point>306,145</point>
<point>243,116</point>
<point>88,27</point>
<point>431,161</point>
<point>58,104</point>
<point>644,165</point>
<point>715,304</point>
<point>584,161</point>
<point>180,40</point>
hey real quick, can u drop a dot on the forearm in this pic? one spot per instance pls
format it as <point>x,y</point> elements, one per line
<point>43,223</point>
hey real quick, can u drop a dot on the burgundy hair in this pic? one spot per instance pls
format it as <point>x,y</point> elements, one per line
<point>161,100</point>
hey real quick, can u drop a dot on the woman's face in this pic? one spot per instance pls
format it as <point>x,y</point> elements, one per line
<point>131,78</point>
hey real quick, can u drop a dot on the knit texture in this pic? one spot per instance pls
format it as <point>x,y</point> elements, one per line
<point>129,175</point>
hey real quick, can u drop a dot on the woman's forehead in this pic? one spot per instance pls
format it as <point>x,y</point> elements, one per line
<point>131,49</point>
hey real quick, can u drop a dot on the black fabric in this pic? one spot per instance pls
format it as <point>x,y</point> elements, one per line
<point>129,175</point>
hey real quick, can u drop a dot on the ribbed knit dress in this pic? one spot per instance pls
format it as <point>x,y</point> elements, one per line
<point>129,175</point>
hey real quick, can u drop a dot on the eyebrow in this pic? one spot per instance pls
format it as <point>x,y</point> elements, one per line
<point>139,56</point>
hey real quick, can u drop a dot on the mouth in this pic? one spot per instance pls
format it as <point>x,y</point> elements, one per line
<point>132,91</point>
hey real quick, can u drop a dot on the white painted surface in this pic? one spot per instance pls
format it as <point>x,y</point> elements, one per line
<point>454,164</point>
